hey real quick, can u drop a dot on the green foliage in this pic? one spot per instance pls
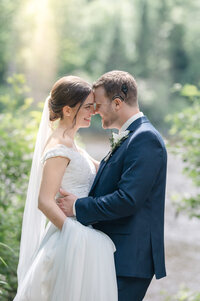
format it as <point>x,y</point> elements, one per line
<point>157,42</point>
<point>8,10</point>
<point>177,53</point>
<point>14,97</point>
<point>17,132</point>
<point>144,40</point>
<point>184,295</point>
<point>153,42</point>
<point>186,131</point>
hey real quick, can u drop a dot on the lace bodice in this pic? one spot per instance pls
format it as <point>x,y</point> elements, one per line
<point>80,172</point>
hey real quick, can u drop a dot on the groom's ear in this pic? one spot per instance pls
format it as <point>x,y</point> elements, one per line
<point>117,104</point>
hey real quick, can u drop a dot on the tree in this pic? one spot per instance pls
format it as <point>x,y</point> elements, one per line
<point>8,9</point>
<point>143,41</point>
<point>178,54</point>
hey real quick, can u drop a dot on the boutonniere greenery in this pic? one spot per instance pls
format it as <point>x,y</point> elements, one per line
<point>115,142</point>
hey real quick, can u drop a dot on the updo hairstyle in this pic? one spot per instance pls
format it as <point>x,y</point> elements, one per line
<point>67,91</point>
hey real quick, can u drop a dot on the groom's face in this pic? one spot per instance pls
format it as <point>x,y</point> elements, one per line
<point>104,108</point>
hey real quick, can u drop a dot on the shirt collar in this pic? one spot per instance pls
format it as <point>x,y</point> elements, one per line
<point>130,120</point>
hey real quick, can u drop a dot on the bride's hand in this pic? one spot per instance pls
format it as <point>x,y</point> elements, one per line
<point>66,202</point>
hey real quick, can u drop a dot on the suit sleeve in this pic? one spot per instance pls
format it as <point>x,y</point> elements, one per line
<point>143,161</point>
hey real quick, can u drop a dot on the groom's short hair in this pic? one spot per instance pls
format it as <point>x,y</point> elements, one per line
<point>118,83</point>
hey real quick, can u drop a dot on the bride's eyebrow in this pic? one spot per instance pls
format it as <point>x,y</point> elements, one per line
<point>89,104</point>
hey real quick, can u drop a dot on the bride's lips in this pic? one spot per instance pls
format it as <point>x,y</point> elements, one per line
<point>88,120</point>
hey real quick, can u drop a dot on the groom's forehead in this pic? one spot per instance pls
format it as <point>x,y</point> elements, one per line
<point>98,100</point>
<point>99,95</point>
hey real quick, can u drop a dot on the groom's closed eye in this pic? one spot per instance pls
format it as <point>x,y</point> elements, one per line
<point>97,106</point>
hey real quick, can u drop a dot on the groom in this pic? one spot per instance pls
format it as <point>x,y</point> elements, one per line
<point>127,198</point>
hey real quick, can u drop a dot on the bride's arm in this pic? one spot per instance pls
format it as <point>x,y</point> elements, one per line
<point>53,172</point>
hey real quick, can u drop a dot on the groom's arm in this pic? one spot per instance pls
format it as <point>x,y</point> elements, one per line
<point>143,161</point>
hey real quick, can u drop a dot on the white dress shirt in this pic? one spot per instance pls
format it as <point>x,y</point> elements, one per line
<point>130,120</point>
<point>123,128</point>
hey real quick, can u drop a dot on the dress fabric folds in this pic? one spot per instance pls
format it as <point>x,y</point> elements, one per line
<point>76,263</point>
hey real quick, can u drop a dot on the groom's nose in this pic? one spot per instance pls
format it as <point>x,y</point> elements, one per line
<point>97,107</point>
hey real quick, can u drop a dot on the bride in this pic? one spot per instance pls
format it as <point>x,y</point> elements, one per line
<point>62,260</point>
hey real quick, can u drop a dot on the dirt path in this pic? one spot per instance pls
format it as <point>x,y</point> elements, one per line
<point>182,235</point>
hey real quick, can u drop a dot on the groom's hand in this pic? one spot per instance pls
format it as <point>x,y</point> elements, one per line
<point>66,202</point>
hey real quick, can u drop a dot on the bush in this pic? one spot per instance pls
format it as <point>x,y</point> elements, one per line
<point>185,132</point>
<point>184,295</point>
<point>18,125</point>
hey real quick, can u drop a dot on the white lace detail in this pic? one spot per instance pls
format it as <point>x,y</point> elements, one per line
<point>60,150</point>
<point>80,172</point>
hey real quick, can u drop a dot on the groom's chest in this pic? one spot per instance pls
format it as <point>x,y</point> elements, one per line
<point>110,172</point>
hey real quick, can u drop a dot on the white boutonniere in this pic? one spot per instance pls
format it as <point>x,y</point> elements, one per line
<point>115,142</point>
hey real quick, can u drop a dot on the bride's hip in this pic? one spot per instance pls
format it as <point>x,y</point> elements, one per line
<point>73,231</point>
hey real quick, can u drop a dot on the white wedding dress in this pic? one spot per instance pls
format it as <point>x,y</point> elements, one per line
<point>76,263</point>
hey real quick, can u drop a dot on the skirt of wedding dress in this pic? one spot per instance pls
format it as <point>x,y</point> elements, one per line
<point>74,264</point>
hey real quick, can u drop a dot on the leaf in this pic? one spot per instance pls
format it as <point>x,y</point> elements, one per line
<point>190,91</point>
<point>1,259</point>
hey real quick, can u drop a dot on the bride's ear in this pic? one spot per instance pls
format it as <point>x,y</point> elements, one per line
<point>67,111</point>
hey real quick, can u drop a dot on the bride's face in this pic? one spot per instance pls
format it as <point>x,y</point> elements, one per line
<point>83,118</point>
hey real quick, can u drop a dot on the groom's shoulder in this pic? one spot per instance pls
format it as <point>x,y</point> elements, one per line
<point>146,132</point>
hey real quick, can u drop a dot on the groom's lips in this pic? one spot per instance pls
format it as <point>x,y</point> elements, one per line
<point>87,119</point>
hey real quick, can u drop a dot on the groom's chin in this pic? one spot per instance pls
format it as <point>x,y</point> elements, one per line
<point>104,125</point>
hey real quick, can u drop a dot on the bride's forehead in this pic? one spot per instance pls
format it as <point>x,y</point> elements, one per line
<point>90,98</point>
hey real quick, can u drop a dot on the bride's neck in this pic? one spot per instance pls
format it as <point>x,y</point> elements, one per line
<point>67,128</point>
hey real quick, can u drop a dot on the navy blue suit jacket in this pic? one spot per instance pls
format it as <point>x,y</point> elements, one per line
<point>127,202</point>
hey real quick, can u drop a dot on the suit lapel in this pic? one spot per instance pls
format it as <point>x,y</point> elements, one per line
<point>133,126</point>
<point>101,167</point>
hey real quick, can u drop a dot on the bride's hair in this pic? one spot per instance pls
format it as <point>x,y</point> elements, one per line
<point>67,91</point>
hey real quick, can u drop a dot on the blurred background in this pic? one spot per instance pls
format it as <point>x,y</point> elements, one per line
<point>158,42</point>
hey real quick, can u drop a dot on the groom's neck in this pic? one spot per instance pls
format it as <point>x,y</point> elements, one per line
<point>125,115</point>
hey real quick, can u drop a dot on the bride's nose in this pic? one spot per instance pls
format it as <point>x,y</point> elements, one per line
<point>93,109</point>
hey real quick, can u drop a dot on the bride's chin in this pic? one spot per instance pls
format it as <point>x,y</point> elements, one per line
<point>86,125</point>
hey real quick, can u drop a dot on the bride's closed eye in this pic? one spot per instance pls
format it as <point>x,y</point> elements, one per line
<point>89,106</point>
